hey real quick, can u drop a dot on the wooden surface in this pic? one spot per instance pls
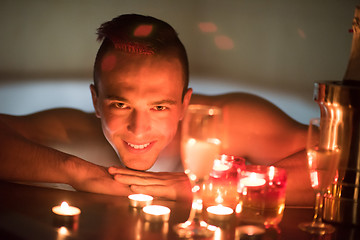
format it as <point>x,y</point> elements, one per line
<point>26,214</point>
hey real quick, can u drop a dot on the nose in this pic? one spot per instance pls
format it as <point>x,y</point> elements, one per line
<point>139,122</point>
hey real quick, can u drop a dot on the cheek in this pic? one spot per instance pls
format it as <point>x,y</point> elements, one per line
<point>169,126</point>
<point>111,123</point>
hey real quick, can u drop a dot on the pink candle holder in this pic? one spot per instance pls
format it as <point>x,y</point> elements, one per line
<point>261,195</point>
<point>221,187</point>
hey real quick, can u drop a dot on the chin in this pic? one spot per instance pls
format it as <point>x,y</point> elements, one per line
<point>139,166</point>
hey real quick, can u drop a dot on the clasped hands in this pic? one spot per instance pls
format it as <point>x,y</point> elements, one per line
<point>169,185</point>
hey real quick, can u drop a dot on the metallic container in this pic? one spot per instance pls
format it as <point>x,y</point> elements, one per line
<point>341,101</point>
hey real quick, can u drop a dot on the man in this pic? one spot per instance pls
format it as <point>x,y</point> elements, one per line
<point>140,94</point>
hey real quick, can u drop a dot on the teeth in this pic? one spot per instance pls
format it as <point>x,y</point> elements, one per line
<point>138,146</point>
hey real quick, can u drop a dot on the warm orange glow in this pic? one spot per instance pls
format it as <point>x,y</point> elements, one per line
<point>63,231</point>
<point>301,33</point>
<point>219,199</point>
<point>224,42</point>
<point>143,30</point>
<point>314,179</point>
<point>65,210</point>
<point>220,210</point>
<point>271,173</point>
<point>108,63</point>
<point>64,206</point>
<point>207,27</point>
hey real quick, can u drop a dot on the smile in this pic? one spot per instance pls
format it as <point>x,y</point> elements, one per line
<point>142,146</point>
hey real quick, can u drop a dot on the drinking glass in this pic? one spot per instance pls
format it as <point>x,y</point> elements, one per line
<point>323,155</point>
<point>200,145</point>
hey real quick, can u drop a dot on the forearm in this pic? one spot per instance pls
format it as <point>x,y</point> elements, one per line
<point>24,160</point>
<point>299,191</point>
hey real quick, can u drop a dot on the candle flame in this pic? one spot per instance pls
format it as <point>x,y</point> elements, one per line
<point>271,173</point>
<point>64,205</point>
<point>219,199</point>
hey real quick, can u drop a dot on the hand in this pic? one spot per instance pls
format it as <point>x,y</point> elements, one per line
<point>89,177</point>
<point>169,185</point>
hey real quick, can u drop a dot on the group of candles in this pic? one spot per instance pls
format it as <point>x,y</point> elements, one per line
<point>153,213</point>
<point>67,213</point>
<point>257,196</point>
<point>255,193</point>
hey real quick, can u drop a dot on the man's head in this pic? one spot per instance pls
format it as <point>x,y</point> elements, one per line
<point>141,35</point>
<point>140,89</point>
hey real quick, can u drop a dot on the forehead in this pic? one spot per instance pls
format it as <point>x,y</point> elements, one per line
<point>123,73</point>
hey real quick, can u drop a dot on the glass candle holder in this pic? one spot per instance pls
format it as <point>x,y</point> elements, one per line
<point>261,195</point>
<point>221,187</point>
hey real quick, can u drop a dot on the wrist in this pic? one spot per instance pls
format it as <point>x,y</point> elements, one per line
<point>74,169</point>
<point>79,171</point>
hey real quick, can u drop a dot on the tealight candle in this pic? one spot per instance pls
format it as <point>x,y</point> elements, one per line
<point>140,200</point>
<point>220,166</point>
<point>219,212</point>
<point>66,215</point>
<point>252,181</point>
<point>65,210</point>
<point>156,213</point>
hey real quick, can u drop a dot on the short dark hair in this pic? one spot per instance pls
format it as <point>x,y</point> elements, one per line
<point>138,34</point>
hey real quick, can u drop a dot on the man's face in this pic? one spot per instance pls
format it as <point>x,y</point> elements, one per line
<point>140,104</point>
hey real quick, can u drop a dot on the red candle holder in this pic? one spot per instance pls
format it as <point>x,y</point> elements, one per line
<point>261,195</point>
<point>221,187</point>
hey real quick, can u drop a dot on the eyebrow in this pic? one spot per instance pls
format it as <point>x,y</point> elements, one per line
<point>165,101</point>
<point>112,97</point>
<point>161,102</point>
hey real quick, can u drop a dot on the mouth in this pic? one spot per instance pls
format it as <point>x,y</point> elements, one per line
<point>139,148</point>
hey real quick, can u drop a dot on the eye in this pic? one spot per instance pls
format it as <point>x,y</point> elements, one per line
<point>119,105</point>
<point>159,108</point>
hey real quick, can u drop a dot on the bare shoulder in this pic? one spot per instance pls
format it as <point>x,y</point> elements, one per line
<point>256,128</point>
<point>236,99</point>
<point>249,107</point>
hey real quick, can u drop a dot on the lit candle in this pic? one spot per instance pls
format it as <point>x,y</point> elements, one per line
<point>140,200</point>
<point>261,195</point>
<point>252,181</point>
<point>65,215</point>
<point>65,210</point>
<point>219,212</point>
<point>156,213</point>
<point>220,166</point>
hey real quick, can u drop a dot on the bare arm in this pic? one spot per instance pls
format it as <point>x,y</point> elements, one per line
<point>298,190</point>
<point>25,160</point>
<point>25,156</point>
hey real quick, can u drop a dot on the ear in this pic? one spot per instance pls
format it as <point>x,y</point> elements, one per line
<point>94,97</point>
<point>186,102</point>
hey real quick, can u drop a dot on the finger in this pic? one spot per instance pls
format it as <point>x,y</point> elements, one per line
<point>138,180</point>
<point>107,186</point>
<point>155,191</point>
<point>114,169</point>
<point>159,175</point>
<point>117,170</point>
